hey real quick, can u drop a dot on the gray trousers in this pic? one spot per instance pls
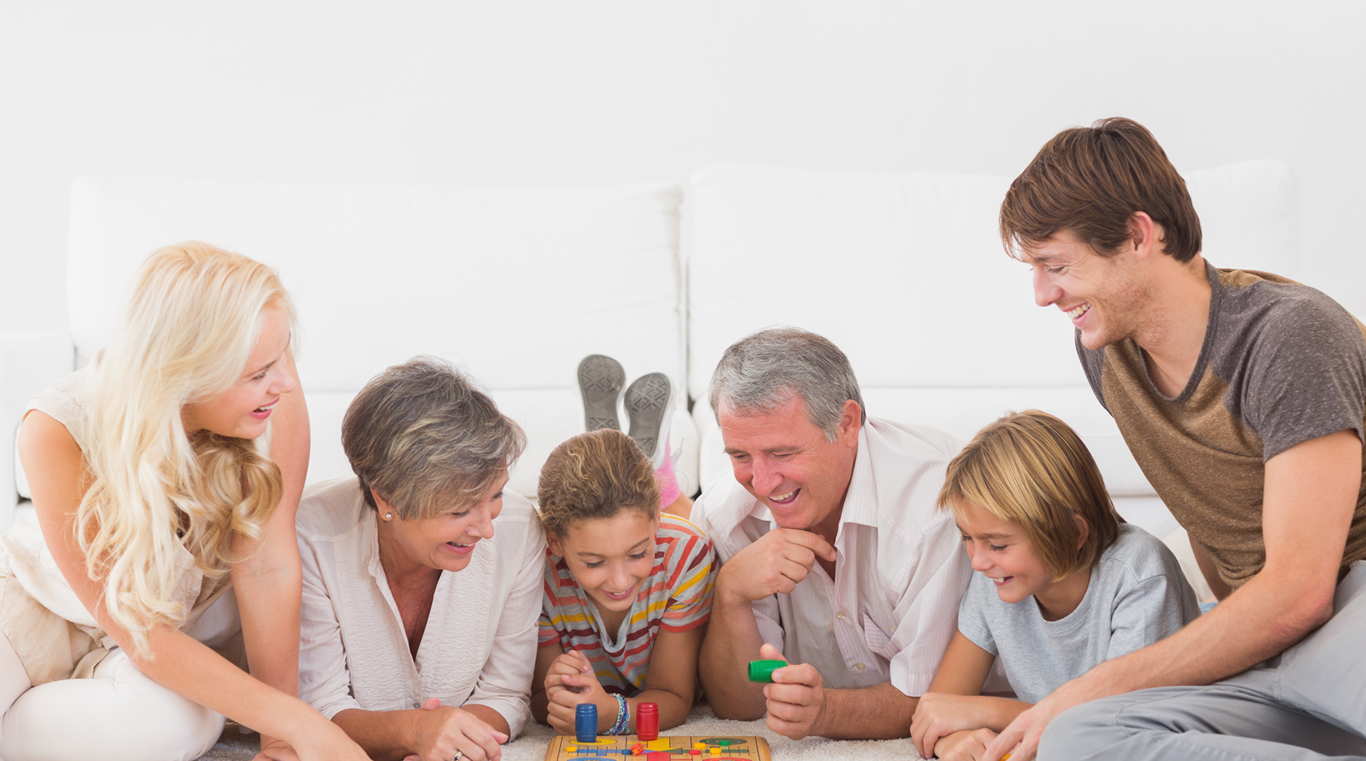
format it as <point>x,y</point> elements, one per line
<point>1307,703</point>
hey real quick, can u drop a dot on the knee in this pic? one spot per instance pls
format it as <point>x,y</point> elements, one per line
<point>1087,731</point>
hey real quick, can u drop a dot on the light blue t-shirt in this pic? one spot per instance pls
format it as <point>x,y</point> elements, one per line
<point>1137,595</point>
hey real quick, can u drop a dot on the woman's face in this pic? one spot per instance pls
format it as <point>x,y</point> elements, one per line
<point>243,411</point>
<point>444,542</point>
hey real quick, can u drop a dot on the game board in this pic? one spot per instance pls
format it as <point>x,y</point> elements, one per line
<point>664,748</point>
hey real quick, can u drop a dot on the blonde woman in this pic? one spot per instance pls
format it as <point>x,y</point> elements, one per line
<point>153,496</point>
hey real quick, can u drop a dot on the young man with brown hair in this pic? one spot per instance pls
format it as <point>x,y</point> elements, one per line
<point>1242,395</point>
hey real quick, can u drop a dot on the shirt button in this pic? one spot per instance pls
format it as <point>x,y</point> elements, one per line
<point>417,705</point>
<point>859,667</point>
<point>840,615</point>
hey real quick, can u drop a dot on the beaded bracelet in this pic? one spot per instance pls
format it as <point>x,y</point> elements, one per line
<point>623,724</point>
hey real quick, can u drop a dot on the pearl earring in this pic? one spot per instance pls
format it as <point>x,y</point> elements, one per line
<point>388,516</point>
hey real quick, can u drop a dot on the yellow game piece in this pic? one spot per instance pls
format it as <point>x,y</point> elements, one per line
<point>714,751</point>
<point>700,746</point>
<point>571,749</point>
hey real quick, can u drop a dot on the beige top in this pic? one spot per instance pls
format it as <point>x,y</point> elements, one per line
<point>53,634</point>
<point>480,642</point>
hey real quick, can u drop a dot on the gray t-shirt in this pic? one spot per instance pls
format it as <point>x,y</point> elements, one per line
<point>1136,597</point>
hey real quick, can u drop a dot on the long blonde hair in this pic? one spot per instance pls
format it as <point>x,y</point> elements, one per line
<point>192,320</point>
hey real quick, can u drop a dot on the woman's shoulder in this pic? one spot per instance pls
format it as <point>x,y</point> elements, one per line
<point>68,402</point>
<point>330,509</point>
<point>518,524</point>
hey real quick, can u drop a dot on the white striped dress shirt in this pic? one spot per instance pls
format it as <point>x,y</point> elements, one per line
<point>900,573</point>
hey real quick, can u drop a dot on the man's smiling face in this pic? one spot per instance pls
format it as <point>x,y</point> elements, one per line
<point>1103,296</point>
<point>786,462</point>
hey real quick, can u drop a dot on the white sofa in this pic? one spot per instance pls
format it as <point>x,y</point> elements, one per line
<point>904,271</point>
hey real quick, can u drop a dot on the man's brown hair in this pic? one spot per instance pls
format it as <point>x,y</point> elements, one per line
<point>1091,181</point>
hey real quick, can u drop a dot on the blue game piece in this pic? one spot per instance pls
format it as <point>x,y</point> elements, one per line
<point>586,723</point>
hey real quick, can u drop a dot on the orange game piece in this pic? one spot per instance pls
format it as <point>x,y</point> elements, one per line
<point>637,749</point>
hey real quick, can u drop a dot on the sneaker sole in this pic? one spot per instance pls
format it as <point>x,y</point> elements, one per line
<point>600,382</point>
<point>647,401</point>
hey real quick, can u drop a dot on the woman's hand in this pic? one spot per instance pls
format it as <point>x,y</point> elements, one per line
<point>938,714</point>
<point>569,682</point>
<point>446,730</point>
<point>326,742</point>
<point>964,745</point>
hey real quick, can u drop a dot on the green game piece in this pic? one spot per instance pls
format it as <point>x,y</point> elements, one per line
<point>762,671</point>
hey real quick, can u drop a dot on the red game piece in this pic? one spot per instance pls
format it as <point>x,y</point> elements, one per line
<point>647,721</point>
<point>637,749</point>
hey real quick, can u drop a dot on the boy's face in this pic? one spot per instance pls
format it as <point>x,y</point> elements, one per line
<point>610,558</point>
<point>1000,551</point>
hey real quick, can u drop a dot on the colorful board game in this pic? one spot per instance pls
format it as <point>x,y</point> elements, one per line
<point>663,748</point>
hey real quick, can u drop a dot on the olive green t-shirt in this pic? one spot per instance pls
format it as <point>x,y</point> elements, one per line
<point>1281,364</point>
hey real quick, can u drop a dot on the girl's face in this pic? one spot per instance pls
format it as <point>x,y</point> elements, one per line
<point>243,411</point>
<point>445,541</point>
<point>1000,551</point>
<point>610,558</point>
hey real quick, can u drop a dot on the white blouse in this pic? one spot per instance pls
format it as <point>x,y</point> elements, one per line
<point>480,643</point>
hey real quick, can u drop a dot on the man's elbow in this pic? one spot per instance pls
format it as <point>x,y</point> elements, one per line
<point>1302,615</point>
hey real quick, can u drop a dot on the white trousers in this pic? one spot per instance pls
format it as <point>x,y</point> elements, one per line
<point>119,715</point>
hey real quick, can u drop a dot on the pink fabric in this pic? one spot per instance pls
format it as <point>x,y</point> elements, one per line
<point>668,482</point>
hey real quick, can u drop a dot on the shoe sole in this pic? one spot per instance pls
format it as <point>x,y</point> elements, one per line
<point>601,379</point>
<point>647,401</point>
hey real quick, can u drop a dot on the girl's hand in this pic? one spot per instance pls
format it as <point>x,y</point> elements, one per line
<point>938,714</point>
<point>445,730</point>
<point>964,745</point>
<point>569,682</point>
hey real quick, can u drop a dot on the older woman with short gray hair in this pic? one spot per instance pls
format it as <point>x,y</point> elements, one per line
<point>422,576</point>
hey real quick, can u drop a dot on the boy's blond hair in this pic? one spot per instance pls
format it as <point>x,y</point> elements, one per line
<point>595,475</point>
<point>1032,469</point>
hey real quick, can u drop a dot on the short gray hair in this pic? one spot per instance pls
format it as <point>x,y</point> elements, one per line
<point>426,439</point>
<point>763,370</point>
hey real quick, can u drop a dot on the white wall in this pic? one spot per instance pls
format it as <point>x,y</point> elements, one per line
<point>594,93</point>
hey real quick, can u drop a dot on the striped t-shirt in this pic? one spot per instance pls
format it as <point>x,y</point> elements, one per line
<point>676,598</point>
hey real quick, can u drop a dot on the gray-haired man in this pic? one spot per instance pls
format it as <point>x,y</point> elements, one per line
<point>833,553</point>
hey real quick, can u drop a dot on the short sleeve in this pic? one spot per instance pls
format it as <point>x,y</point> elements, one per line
<point>1307,372</point>
<point>972,614</point>
<point>694,578</point>
<point>1150,611</point>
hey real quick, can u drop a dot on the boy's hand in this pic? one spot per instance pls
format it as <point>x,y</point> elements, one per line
<point>939,714</point>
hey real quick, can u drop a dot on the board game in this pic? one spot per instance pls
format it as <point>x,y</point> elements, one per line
<point>663,748</point>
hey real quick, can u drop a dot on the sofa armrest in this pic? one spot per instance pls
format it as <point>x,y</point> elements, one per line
<point>30,361</point>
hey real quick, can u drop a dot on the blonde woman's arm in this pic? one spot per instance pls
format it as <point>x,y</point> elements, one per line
<point>268,582</point>
<point>58,480</point>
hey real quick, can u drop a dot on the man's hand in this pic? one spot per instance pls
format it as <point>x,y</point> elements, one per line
<point>940,714</point>
<point>1021,738</point>
<point>796,699</point>
<point>964,745</point>
<point>774,564</point>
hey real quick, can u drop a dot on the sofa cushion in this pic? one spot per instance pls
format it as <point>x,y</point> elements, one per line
<point>906,273</point>
<point>515,286</point>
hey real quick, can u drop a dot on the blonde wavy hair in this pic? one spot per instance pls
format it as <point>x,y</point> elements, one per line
<point>193,317</point>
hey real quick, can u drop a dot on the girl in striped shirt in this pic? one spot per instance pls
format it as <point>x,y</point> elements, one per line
<point>627,590</point>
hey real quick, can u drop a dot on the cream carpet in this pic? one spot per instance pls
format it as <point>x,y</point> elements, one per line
<point>235,746</point>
